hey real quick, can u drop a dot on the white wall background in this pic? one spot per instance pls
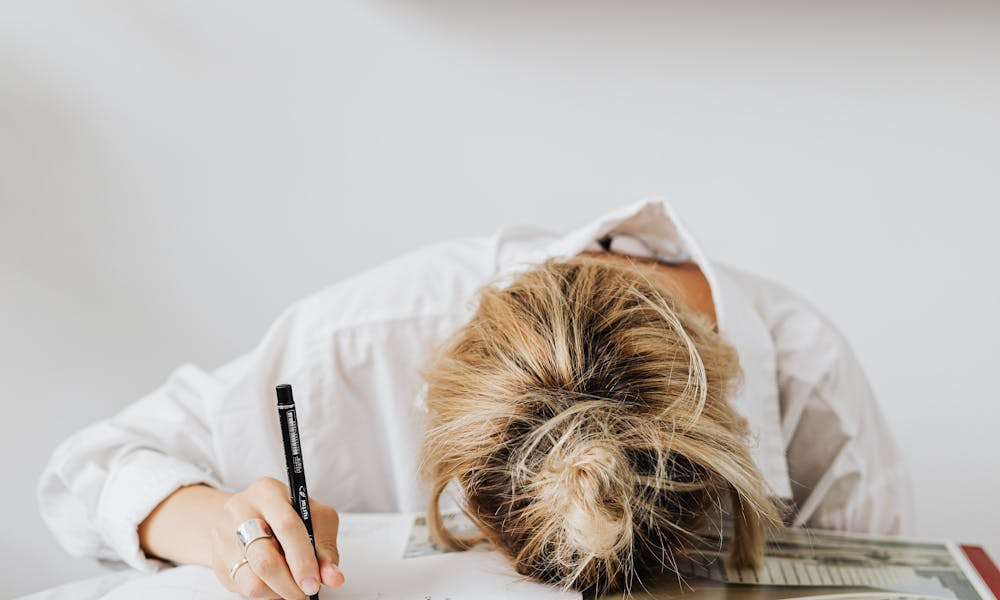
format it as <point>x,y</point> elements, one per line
<point>173,174</point>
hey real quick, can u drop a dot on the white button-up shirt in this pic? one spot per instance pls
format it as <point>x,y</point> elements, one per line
<point>353,351</point>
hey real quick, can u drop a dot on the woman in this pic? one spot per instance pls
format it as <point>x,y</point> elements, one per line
<point>590,400</point>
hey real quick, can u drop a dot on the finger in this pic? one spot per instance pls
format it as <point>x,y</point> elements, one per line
<point>294,541</point>
<point>265,559</point>
<point>250,585</point>
<point>330,573</point>
<point>326,523</point>
<point>227,555</point>
<point>329,563</point>
<point>221,570</point>
<point>269,565</point>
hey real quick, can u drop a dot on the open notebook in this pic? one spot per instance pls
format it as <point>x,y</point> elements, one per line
<point>390,557</point>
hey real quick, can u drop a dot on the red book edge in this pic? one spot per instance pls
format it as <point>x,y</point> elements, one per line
<point>985,566</point>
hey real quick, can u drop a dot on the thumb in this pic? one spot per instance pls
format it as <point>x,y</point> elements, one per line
<point>329,559</point>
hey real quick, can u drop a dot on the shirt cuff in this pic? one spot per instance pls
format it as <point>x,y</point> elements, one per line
<point>140,482</point>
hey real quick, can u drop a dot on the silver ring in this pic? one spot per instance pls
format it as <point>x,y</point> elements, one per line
<point>232,570</point>
<point>250,531</point>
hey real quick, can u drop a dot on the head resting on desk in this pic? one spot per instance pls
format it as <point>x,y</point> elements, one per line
<point>583,410</point>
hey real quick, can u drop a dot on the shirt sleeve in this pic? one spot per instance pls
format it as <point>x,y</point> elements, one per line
<point>846,469</point>
<point>104,480</point>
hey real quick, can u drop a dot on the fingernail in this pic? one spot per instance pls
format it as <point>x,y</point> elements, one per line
<point>309,586</point>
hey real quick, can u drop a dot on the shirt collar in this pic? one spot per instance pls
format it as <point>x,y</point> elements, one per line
<point>653,222</point>
<point>661,234</point>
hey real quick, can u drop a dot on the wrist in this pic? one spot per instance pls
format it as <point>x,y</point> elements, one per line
<point>179,529</point>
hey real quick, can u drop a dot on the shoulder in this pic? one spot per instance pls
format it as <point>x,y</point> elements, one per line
<point>774,301</point>
<point>816,366</point>
<point>432,281</point>
<point>384,315</point>
<point>807,343</point>
<point>846,468</point>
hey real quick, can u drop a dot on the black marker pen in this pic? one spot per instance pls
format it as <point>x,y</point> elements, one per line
<point>293,460</point>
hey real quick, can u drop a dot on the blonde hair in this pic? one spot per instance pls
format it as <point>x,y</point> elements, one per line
<point>583,411</point>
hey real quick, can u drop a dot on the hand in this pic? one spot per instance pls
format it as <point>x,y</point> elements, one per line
<point>283,566</point>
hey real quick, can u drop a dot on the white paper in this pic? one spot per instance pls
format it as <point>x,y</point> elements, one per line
<point>371,549</point>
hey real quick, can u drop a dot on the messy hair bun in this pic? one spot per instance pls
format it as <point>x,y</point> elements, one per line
<point>583,411</point>
<point>589,485</point>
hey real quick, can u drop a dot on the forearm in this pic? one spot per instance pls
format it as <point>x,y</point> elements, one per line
<point>179,528</point>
